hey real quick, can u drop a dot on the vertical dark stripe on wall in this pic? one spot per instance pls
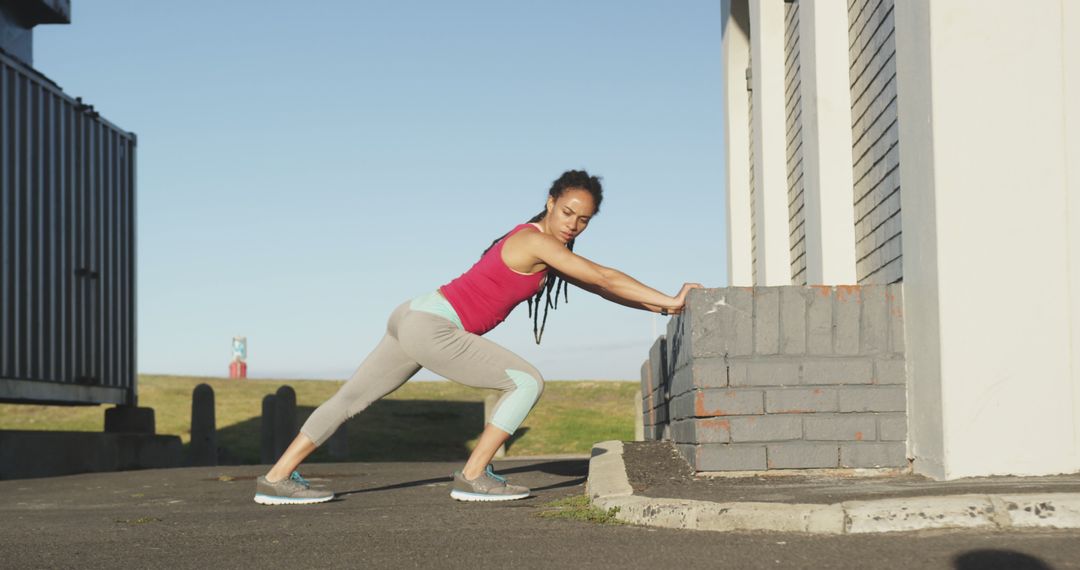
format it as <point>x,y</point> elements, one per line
<point>82,242</point>
<point>21,207</point>
<point>6,317</point>
<point>71,252</point>
<point>103,281</point>
<point>48,258</point>
<point>95,250</point>
<point>33,227</point>
<point>60,266</point>
<point>132,345</point>
<point>7,211</point>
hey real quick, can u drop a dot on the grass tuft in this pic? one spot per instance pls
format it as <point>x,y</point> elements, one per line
<point>578,508</point>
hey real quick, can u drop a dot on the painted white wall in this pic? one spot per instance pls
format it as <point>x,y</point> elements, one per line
<point>736,58</point>
<point>770,142</point>
<point>989,288</point>
<point>826,132</point>
<point>1070,30</point>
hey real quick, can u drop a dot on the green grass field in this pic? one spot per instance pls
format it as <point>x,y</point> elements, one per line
<point>428,421</point>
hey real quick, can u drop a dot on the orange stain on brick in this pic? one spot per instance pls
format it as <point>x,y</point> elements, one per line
<point>817,391</point>
<point>845,291</point>
<point>858,436</point>
<point>716,424</point>
<point>822,290</point>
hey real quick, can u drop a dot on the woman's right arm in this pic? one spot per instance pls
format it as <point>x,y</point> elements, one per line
<point>607,282</point>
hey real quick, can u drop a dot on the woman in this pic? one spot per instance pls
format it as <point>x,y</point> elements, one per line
<point>441,331</point>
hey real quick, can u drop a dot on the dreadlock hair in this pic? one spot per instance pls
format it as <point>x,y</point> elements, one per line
<point>570,179</point>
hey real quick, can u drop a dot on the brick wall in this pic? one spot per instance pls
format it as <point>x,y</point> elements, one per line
<point>782,378</point>
<point>875,138</point>
<point>793,108</point>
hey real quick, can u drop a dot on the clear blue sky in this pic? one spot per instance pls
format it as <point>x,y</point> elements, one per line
<point>304,168</point>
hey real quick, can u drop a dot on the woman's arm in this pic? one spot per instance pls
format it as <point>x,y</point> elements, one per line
<point>607,282</point>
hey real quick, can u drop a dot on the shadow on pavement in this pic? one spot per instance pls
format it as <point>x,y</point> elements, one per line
<point>993,559</point>
<point>562,468</point>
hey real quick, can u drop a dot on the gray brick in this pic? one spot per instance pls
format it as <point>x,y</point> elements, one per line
<point>802,455</point>
<point>875,320</point>
<point>873,399</point>
<point>895,296</point>
<point>889,372</point>
<point>710,372</point>
<point>729,402</point>
<point>662,416</point>
<point>820,321</point>
<point>646,378</point>
<point>792,320</point>
<point>766,320</point>
<point>840,428</point>
<point>717,324</point>
<point>868,455</point>
<point>683,432</point>
<point>681,407</point>
<point>762,373</point>
<point>682,380</point>
<point>665,431</point>
<point>688,452</point>
<point>848,300</point>
<point>741,302</point>
<point>658,368</point>
<point>800,400</point>
<point>892,427</point>
<point>838,371</point>
<point>766,428</point>
<point>726,457</point>
<point>712,430</point>
<point>676,349</point>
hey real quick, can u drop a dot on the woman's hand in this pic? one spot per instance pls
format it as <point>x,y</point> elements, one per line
<point>681,297</point>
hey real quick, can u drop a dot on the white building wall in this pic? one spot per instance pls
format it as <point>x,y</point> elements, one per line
<point>990,294</point>
<point>772,240</point>
<point>736,50</point>
<point>825,99</point>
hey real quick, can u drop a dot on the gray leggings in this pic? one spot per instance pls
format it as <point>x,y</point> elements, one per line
<point>415,339</point>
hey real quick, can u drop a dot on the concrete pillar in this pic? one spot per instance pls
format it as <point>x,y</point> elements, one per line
<point>284,419</point>
<point>489,408</point>
<point>338,444</point>
<point>736,58</point>
<point>129,419</point>
<point>990,234</point>
<point>266,430</point>
<point>639,418</point>
<point>826,131</point>
<point>203,449</point>
<point>770,143</point>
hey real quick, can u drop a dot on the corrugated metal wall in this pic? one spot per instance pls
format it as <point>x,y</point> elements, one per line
<point>876,136</point>
<point>67,244</point>
<point>793,98</point>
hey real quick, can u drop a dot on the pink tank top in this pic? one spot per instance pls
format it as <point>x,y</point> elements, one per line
<point>485,294</point>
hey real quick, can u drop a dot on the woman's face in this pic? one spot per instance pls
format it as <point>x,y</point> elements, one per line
<point>569,215</point>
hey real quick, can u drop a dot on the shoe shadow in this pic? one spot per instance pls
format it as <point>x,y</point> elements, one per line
<point>576,468</point>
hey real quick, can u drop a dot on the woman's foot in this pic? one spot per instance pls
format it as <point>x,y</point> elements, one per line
<point>487,487</point>
<point>295,490</point>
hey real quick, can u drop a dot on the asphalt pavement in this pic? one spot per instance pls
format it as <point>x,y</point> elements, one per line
<point>399,515</point>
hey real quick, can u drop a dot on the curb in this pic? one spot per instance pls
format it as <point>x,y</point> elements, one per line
<point>608,487</point>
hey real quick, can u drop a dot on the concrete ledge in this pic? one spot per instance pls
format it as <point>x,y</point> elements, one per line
<point>608,487</point>
<point>25,454</point>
